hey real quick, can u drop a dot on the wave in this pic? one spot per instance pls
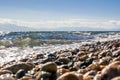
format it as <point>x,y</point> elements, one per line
<point>52,37</point>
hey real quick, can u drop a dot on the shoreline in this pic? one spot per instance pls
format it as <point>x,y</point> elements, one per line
<point>19,51</point>
<point>67,58</point>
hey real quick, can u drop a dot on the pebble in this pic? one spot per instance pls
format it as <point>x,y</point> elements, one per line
<point>69,76</point>
<point>5,72</point>
<point>20,74</point>
<point>95,61</point>
<point>110,71</point>
<point>25,66</point>
<point>116,78</point>
<point>49,67</point>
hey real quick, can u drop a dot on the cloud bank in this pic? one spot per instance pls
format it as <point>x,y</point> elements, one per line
<point>66,23</point>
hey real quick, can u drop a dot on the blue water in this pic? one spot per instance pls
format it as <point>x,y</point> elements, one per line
<point>19,39</point>
<point>56,35</point>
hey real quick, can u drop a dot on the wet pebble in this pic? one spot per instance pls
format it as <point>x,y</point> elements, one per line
<point>5,72</point>
<point>25,66</point>
<point>69,76</point>
<point>116,78</point>
<point>20,74</point>
<point>110,71</point>
<point>49,67</point>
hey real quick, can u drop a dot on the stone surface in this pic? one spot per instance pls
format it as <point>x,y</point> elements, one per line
<point>5,72</point>
<point>116,78</point>
<point>20,74</point>
<point>49,67</point>
<point>25,66</point>
<point>69,76</point>
<point>111,71</point>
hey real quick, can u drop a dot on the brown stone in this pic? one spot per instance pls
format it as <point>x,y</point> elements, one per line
<point>69,76</point>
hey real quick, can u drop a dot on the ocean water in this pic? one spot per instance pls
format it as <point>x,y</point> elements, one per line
<point>58,35</point>
<point>19,45</point>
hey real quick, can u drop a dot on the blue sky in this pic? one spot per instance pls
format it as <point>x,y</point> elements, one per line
<point>61,13</point>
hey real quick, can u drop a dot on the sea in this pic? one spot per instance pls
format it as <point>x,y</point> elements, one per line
<point>15,46</point>
<point>58,35</point>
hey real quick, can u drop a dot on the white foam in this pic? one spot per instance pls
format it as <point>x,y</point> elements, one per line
<point>16,53</point>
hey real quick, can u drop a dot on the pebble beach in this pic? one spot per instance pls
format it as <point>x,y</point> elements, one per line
<point>97,59</point>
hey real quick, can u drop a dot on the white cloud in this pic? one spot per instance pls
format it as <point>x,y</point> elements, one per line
<point>104,24</point>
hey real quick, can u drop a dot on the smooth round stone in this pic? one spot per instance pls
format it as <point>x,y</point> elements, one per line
<point>5,72</point>
<point>69,76</point>
<point>116,78</point>
<point>25,66</point>
<point>49,67</point>
<point>20,74</point>
<point>111,71</point>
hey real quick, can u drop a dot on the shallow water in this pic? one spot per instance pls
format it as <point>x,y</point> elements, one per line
<point>18,53</point>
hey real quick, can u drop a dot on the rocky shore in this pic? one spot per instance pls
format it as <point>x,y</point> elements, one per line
<point>94,61</point>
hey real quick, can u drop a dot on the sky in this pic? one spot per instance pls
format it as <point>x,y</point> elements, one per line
<point>58,14</point>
